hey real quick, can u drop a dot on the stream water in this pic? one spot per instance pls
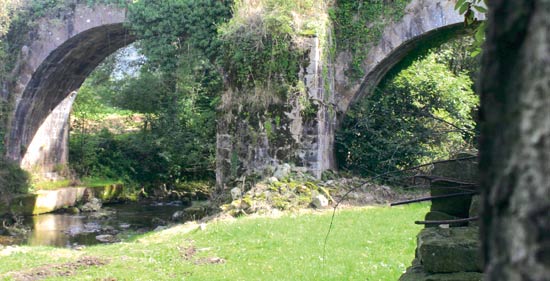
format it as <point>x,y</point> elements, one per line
<point>113,222</point>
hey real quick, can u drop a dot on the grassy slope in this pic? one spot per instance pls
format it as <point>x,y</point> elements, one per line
<point>366,244</point>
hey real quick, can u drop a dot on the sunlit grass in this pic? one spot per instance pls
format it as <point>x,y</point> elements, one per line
<point>86,182</point>
<point>51,185</point>
<point>375,243</point>
<point>99,182</point>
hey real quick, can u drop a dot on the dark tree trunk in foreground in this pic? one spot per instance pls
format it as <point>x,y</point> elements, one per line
<point>515,143</point>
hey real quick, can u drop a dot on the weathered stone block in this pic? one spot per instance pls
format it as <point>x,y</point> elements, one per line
<point>449,250</point>
<point>23,204</point>
<point>454,206</point>
<point>462,171</point>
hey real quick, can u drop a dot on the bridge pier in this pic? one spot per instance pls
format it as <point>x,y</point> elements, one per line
<point>253,140</point>
<point>49,149</point>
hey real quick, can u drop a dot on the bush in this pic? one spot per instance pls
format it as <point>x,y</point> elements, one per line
<point>13,180</point>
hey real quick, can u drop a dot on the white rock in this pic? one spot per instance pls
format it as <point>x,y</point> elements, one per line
<point>106,238</point>
<point>319,201</point>
<point>236,193</point>
<point>178,215</point>
<point>272,180</point>
<point>160,228</point>
<point>282,171</point>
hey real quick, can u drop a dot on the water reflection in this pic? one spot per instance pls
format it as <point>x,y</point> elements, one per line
<point>67,230</point>
<point>54,229</point>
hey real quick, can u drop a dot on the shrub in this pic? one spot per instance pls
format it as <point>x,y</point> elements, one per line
<point>13,180</point>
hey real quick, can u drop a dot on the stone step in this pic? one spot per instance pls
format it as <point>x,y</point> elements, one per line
<point>449,250</point>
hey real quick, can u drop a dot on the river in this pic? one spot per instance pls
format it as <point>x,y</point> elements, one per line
<point>113,223</point>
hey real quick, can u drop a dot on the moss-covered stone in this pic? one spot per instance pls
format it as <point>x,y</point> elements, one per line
<point>449,250</point>
<point>463,170</point>
<point>455,206</point>
<point>47,201</point>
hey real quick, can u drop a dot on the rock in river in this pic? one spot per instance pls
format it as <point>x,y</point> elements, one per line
<point>106,238</point>
<point>93,205</point>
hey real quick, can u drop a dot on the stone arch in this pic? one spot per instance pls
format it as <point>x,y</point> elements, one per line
<point>424,21</point>
<point>54,63</point>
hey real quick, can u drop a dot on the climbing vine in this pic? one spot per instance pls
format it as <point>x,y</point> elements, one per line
<point>358,24</point>
<point>262,45</point>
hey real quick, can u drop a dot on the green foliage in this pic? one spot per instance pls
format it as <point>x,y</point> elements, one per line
<point>359,25</point>
<point>422,113</point>
<point>258,48</point>
<point>13,180</point>
<point>177,139</point>
<point>169,28</point>
<point>468,9</point>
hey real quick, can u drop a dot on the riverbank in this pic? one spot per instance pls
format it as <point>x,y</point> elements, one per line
<point>46,201</point>
<point>365,242</point>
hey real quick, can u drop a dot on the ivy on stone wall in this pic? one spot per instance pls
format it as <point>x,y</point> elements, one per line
<point>359,24</point>
<point>262,45</point>
<point>167,29</point>
<point>258,48</point>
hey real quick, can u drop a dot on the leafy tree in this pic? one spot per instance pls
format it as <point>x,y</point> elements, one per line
<point>168,29</point>
<point>424,112</point>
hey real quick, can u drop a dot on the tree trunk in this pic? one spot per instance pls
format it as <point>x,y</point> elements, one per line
<point>515,141</point>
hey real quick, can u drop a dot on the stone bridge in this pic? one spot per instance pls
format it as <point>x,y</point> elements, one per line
<point>61,54</point>
<point>56,60</point>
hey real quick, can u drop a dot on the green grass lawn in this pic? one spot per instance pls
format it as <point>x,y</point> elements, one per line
<point>375,243</point>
